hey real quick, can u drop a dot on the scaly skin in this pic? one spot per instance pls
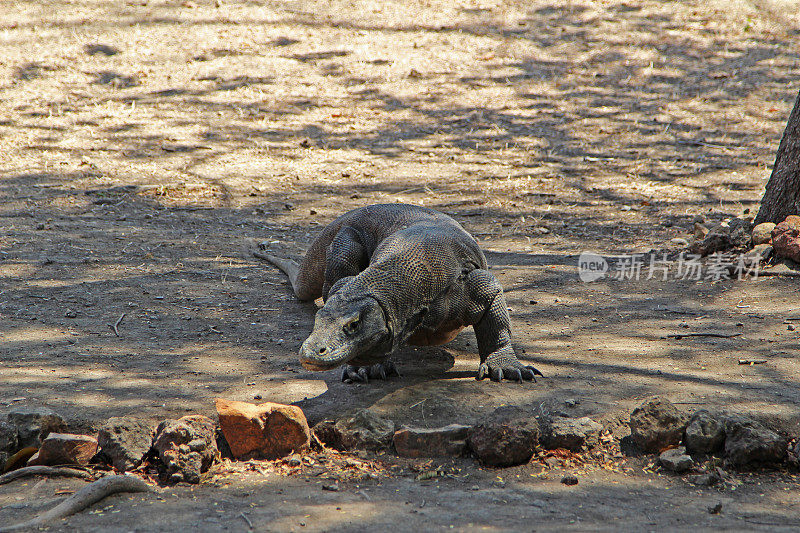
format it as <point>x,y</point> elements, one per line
<point>397,274</point>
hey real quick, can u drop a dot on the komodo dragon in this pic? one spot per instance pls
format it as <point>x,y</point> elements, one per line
<point>396,274</point>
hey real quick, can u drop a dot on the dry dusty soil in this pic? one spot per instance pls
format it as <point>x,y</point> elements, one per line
<point>146,144</point>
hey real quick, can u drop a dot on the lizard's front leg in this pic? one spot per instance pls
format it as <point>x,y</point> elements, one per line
<point>488,313</point>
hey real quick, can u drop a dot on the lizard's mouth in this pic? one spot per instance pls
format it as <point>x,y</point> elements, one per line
<point>317,367</point>
<point>320,358</point>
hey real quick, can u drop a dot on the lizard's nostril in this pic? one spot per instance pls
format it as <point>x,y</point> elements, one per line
<point>322,350</point>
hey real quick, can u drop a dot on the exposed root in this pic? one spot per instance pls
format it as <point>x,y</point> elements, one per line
<point>88,495</point>
<point>41,471</point>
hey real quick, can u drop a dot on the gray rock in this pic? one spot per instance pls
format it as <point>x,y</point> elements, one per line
<point>125,441</point>
<point>9,441</point>
<point>705,433</point>
<point>676,460</point>
<point>172,444</point>
<point>762,233</point>
<point>570,433</point>
<point>759,254</point>
<point>507,437</point>
<point>747,441</point>
<point>733,235</point>
<point>365,430</point>
<point>705,480</point>
<point>33,424</point>
<point>655,425</point>
<point>447,441</point>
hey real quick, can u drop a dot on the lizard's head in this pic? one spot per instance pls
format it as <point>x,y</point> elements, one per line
<point>345,329</point>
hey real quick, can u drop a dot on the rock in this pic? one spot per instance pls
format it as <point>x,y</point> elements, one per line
<point>569,479</point>
<point>676,460</point>
<point>786,238</point>
<point>700,230</point>
<point>264,431</point>
<point>747,441</point>
<point>762,233</point>
<point>570,433</point>
<point>715,509</point>
<point>679,241</point>
<point>125,441</point>
<point>65,449</point>
<point>759,254</point>
<point>9,441</point>
<point>705,433</point>
<point>186,447</point>
<point>507,437</point>
<point>784,267</point>
<point>705,480</point>
<point>655,425</point>
<point>33,424</point>
<point>447,441</point>
<point>733,235</point>
<point>326,432</point>
<point>365,430</point>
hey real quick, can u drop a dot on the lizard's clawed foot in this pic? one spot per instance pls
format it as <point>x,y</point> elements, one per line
<point>362,374</point>
<point>503,367</point>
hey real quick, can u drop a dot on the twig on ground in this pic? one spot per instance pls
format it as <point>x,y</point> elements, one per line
<point>249,523</point>
<point>41,471</point>
<point>88,495</point>
<point>693,334</point>
<point>752,362</point>
<point>116,324</point>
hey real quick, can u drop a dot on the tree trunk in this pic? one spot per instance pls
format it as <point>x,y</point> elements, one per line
<point>782,195</point>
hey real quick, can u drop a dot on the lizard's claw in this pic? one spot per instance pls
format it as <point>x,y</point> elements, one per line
<point>497,368</point>
<point>362,374</point>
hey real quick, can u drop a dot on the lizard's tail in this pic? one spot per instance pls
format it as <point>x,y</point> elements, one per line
<point>287,266</point>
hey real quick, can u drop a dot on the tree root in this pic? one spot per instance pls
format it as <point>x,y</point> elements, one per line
<point>91,493</point>
<point>41,471</point>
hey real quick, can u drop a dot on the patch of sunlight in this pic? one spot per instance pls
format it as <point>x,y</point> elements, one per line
<point>298,389</point>
<point>18,270</point>
<point>34,334</point>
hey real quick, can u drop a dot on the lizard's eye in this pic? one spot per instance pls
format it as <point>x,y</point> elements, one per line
<point>352,325</point>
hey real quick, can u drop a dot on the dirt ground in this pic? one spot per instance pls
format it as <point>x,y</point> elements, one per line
<point>146,145</point>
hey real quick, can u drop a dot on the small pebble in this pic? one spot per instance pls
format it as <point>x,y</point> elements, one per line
<point>715,509</point>
<point>333,487</point>
<point>569,479</point>
<point>790,327</point>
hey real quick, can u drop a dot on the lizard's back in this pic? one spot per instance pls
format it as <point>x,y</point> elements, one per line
<point>395,236</point>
